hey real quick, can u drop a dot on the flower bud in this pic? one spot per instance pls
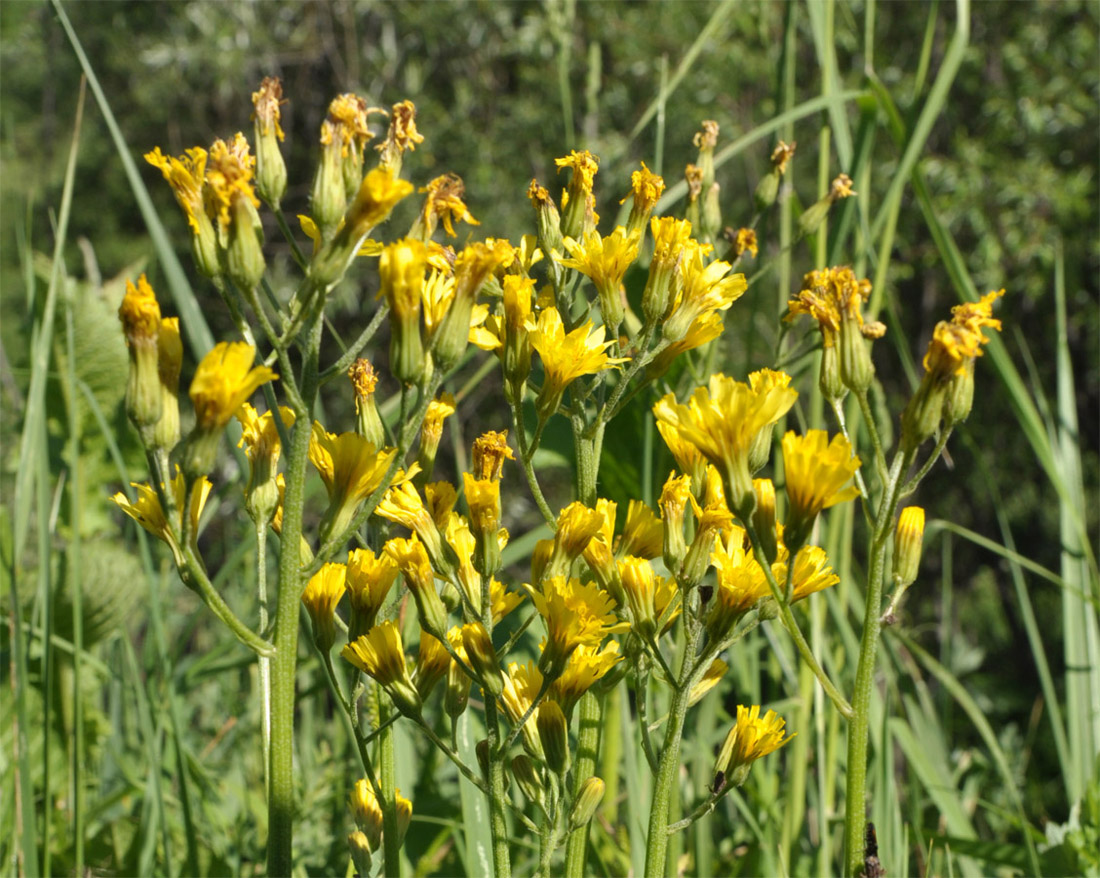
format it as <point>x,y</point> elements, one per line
<point>457,694</point>
<point>527,776</point>
<point>587,801</point>
<point>907,545</point>
<point>321,596</point>
<point>270,167</point>
<point>578,200</point>
<point>483,658</point>
<point>639,584</point>
<point>166,433</point>
<point>401,268</point>
<point>674,499</point>
<point>669,238</point>
<point>367,813</point>
<point>554,735</point>
<point>763,517</point>
<point>856,369</point>
<point>548,219</point>
<point>959,397</point>
<point>921,419</point>
<point>360,852</point>
<point>829,378</point>
<point>141,324</point>
<point>368,422</point>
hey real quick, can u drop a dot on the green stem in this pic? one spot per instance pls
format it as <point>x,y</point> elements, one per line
<point>872,431</point>
<point>341,365</point>
<point>265,662</point>
<point>669,766</point>
<point>855,815</point>
<point>391,844</point>
<point>283,667</point>
<point>911,485</point>
<point>502,867</point>
<point>588,740</point>
<point>193,574</point>
<point>526,456</point>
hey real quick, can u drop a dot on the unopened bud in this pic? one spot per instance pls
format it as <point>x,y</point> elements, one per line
<point>856,369</point>
<point>763,517</point>
<point>907,545</point>
<point>527,776</point>
<point>960,396</point>
<point>554,735</point>
<point>360,852</point>
<point>921,419</point>
<point>270,167</point>
<point>829,380</point>
<point>483,658</point>
<point>587,801</point>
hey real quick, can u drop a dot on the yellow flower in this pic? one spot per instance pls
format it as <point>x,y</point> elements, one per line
<point>587,666</point>
<point>642,533</point>
<point>444,203</point>
<point>646,188</point>
<point>751,738</point>
<point>908,538</point>
<point>567,356</point>
<point>229,171</point>
<point>522,684</point>
<point>439,500</point>
<point>706,288</point>
<point>369,247</point>
<point>812,573</point>
<point>369,580</point>
<point>432,664</point>
<point>147,511</point>
<point>670,236</point>
<point>185,175</point>
<point>841,187</point>
<point>502,601</point>
<point>381,654</point>
<point>741,583</point>
<point>817,471</point>
<point>436,297</point>
<point>745,241</point>
<point>139,314</point>
<point>259,435</point>
<point>489,453</point>
<point>401,137</point>
<point>721,421</point>
<point>321,596</point>
<point>367,812</point>
<point>578,200</point>
<point>223,381</point>
<point>576,525</point>
<point>956,343</point>
<point>640,586</point>
<point>351,468</point>
<point>781,155</point>
<point>412,557</point>
<point>605,261</point>
<point>431,430</point>
<point>575,614</point>
<point>706,328</point>
<point>378,194</point>
<point>141,324</point>
<point>711,678</point>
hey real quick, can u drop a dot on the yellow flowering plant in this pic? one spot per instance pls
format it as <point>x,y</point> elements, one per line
<point>622,595</point>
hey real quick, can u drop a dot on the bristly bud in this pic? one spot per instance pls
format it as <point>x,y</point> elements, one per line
<point>141,324</point>
<point>321,596</point>
<point>907,545</point>
<point>815,214</point>
<point>548,218</point>
<point>763,517</point>
<point>457,694</point>
<point>527,776</point>
<point>674,499</point>
<point>169,360</point>
<point>670,236</point>
<point>768,187</point>
<point>401,268</point>
<point>368,422</point>
<point>483,658</point>
<point>270,167</point>
<point>554,735</point>
<point>587,801</point>
<point>360,853</point>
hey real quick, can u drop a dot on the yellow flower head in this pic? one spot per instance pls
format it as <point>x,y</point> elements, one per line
<point>751,738</point>
<point>444,203</point>
<point>640,586</point>
<point>706,139</point>
<point>369,580</point>
<point>381,654</point>
<point>139,314</point>
<point>432,663</point>
<point>714,673</point>
<point>431,430</point>
<point>586,667</point>
<point>646,188</point>
<point>781,155</point>
<point>689,459</point>
<point>745,241</point>
<point>642,533</point>
<point>321,596</point>
<point>229,171</point>
<point>401,270</point>
<point>364,379</point>
<point>693,176</point>
<point>483,499</point>
<point>490,451</point>
<point>576,525</point>
<point>604,260</point>
<point>908,538</point>
<point>402,136</point>
<point>706,288</point>
<point>817,471</point>
<point>345,126</point>
<point>267,102</point>
<point>146,509</point>
<point>566,357</point>
<point>830,296</point>
<point>517,294</point>
<point>669,237</point>
<point>350,466</point>
<point>741,583</point>
<point>575,614</point>
<point>223,381</point>
<point>377,195</point>
<point>185,175</point>
<point>259,435</point>
<point>956,343</point>
<point>367,812</point>
<point>597,552</point>
<point>706,328</point>
<point>402,504</point>
<point>721,421</point>
<point>584,165</point>
<point>811,573</point>
<point>440,499</point>
<point>841,187</point>
<point>522,684</point>
<point>412,558</point>
<point>502,601</point>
